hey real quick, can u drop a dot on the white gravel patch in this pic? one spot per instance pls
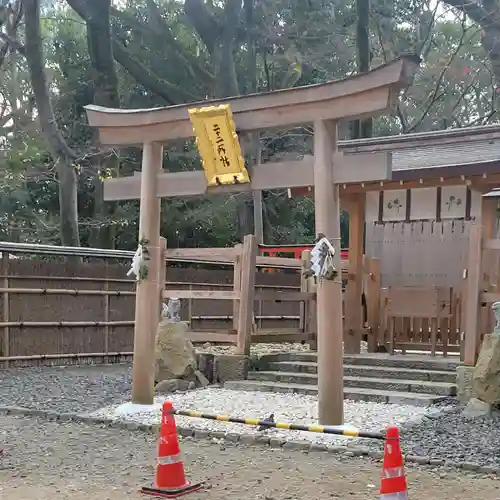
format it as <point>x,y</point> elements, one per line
<point>261,349</point>
<point>290,408</point>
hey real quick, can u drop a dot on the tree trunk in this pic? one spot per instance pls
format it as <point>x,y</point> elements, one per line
<point>105,94</point>
<point>362,128</point>
<point>219,41</point>
<point>61,153</point>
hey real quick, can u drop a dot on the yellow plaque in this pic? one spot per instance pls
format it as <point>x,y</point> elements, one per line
<point>218,145</point>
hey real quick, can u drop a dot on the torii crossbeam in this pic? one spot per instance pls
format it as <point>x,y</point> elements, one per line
<point>323,105</point>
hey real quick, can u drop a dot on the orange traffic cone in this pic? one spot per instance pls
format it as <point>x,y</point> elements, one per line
<point>393,480</point>
<point>170,481</point>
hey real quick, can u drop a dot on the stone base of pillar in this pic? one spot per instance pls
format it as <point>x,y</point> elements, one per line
<point>465,375</point>
<point>230,367</point>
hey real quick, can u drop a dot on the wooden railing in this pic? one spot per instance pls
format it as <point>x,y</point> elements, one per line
<point>59,311</point>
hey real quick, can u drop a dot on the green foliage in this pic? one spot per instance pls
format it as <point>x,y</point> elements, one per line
<point>297,42</point>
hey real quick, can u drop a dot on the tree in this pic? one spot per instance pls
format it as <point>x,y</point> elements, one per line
<point>63,156</point>
<point>158,52</point>
<point>485,14</point>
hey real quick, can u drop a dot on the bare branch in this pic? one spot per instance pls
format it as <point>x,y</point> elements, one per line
<point>437,95</point>
<point>171,93</point>
<point>162,36</point>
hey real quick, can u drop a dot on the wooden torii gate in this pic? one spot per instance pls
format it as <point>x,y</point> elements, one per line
<point>322,105</point>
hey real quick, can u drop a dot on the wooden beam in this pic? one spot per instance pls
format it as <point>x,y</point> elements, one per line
<point>201,294</point>
<point>227,254</point>
<point>484,183</point>
<point>284,296</point>
<point>355,97</point>
<point>366,167</point>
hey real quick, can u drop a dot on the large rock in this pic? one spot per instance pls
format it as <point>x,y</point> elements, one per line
<point>486,380</point>
<point>175,354</point>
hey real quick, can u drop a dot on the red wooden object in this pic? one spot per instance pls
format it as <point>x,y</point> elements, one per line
<point>292,251</point>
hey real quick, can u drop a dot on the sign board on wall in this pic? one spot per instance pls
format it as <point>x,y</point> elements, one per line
<point>394,208</point>
<point>453,200</point>
<point>423,204</point>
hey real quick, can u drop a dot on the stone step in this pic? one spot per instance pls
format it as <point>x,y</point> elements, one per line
<point>407,361</point>
<point>388,384</point>
<point>367,371</point>
<point>351,393</point>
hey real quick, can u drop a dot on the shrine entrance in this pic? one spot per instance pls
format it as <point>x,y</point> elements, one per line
<point>322,105</point>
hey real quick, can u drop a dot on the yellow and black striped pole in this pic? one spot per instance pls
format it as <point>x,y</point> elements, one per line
<point>322,429</point>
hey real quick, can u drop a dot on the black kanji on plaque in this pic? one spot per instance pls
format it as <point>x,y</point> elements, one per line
<point>217,129</point>
<point>224,160</point>
<point>221,149</point>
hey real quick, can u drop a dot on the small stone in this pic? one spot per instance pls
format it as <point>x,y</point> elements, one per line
<point>437,462</point>
<point>296,445</point>
<point>172,385</point>
<point>476,409</point>
<point>490,469</point>
<point>470,466</point>
<point>185,431</point>
<point>201,434</point>
<point>247,439</point>
<point>202,380</point>
<point>336,449</point>
<point>262,439</point>
<point>276,442</point>
<point>218,435</point>
<point>360,451</point>
<point>318,447</point>
<point>417,459</point>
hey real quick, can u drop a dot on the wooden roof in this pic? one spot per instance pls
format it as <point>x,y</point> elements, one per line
<point>468,156</point>
<point>358,96</point>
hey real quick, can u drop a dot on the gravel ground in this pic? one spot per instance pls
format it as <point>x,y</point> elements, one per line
<point>65,389</point>
<point>295,408</point>
<point>439,432</point>
<point>49,461</point>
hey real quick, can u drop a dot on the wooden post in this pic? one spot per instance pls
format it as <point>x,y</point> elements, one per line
<point>6,308</point>
<point>329,293</point>
<point>488,223</point>
<point>162,273</point>
<point>304,306</point>
<point>245,313</point>
<point>471,297</point>
<point>353,307</point>
<point>373,302</point>
<point>312,315</point>
<point>106,313</point>
<point>146,303</point>
<point>308,308</point>
<point>237,285</point>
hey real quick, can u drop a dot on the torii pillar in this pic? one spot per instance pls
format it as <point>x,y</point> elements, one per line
<point>323,105</point>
